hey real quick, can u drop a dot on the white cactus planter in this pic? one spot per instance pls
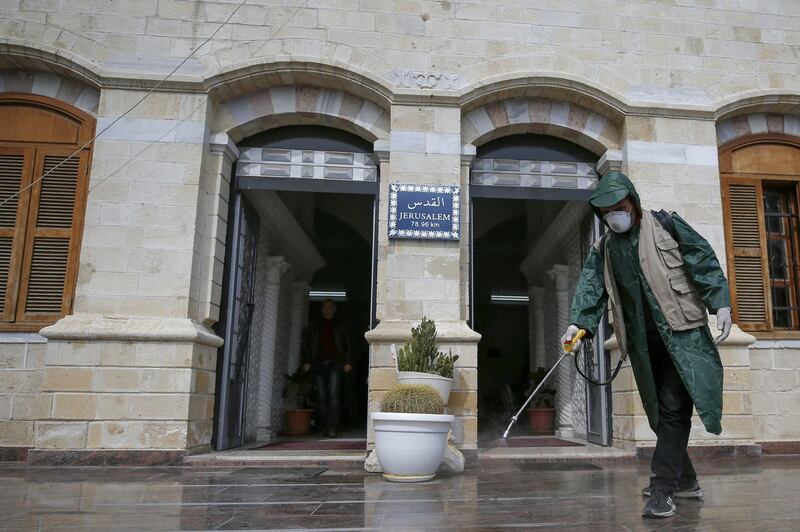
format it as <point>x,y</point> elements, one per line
<point>437,382</point>
<point>410,447</point>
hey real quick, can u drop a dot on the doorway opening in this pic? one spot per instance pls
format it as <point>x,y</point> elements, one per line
<point>532,229</point>
<point>301,237</point>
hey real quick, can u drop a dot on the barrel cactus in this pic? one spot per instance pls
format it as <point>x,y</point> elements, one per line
<point>413,399</point>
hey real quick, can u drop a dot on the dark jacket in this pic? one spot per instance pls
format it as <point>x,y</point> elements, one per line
<point>340,337</point>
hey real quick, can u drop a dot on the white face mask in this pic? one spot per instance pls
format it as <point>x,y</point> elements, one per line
<point>619,221</point>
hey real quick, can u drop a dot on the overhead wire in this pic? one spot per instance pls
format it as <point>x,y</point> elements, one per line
<point>146,95</point>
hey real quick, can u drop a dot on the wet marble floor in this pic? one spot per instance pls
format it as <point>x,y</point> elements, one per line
<point>501,495</point>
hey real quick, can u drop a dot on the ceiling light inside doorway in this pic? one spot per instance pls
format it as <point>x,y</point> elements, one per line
<point>319,295</point>
<point>509,299</point>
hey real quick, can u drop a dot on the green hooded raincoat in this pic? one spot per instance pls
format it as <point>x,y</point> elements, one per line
<point>694,353</point>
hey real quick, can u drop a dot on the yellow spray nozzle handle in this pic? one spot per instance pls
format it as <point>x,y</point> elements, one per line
<point>569,346</point>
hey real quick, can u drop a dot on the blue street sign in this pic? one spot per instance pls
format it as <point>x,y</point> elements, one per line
<point>429,212</point>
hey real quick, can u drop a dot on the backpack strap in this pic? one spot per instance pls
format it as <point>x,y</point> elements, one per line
<point>665,219</point>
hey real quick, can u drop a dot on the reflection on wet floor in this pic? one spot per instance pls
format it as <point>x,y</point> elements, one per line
<point>740,495</point>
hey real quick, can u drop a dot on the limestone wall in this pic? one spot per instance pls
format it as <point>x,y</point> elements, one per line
<point>660,86</point>
<point>775,378</point>
<point>630,425</point>
<point>109,391</point>
<point>21,400</point>
<point>693,53</point>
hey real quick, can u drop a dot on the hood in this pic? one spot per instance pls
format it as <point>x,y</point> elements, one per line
<point>611,189</point>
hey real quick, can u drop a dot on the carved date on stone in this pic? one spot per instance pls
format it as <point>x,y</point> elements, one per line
<point>418,79</point>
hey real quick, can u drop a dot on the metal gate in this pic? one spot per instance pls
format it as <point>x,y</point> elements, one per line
<point>240,274</point>
<point>596,364</point>
<point>548,180</point>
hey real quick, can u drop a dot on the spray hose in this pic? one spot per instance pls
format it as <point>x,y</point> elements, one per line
<point>586,377</point>
<point>568,347</point>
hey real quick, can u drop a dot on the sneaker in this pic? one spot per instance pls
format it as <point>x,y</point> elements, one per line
<point>659,505</point>
<point>689,492</point>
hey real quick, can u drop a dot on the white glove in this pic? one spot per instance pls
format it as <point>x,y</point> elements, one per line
<point>724,323</point>
<point>571,331</point>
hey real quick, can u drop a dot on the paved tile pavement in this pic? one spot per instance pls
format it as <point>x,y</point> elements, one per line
<point>502,495</point>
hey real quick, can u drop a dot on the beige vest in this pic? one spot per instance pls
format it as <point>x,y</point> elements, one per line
<point>665,273</point>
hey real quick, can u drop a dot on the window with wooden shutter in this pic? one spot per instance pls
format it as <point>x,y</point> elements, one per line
<point>760,194</point>
<point>747,258</point>
<point>41,220</point>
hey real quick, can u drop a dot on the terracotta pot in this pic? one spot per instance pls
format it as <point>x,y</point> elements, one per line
<point>298,422</point>
<point>542,420</point>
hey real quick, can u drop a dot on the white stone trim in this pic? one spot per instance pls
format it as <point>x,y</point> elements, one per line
<point>611,161</point>
<point>130,329</point>
<point>22,338</point>
<point>640,151</point>
<point>221,144</point>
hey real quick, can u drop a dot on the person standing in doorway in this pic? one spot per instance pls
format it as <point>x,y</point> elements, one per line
<point>660,277</point>
<point>330,357</point>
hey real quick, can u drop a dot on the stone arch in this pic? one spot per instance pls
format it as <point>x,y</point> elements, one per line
<point>344,71</point>
<point>257,111</point>
<point>768,113</point>
<point>765,101</point>
<point>523,114</point>
<point>750,124</point>
<point>758,113</point>
<point>67,90</point>
<point>18,55</point>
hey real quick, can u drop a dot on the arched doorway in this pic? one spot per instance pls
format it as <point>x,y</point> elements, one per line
<point>300,233</point>
<point>531,232</point>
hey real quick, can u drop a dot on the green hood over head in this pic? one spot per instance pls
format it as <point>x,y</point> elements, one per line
<point>611,189</point>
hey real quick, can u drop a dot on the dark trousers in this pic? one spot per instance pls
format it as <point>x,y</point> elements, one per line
<point>670,465</point>
<point>328,377</point>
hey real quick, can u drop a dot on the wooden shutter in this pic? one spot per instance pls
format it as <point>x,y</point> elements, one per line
<point>746,252</point>
<point>52,240</point>
<point>16,165</point>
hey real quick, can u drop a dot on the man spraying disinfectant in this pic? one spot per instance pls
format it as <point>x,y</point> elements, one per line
<point>659,277</point>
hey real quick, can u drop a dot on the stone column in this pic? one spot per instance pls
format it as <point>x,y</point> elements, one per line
<point>213,225</point>
<point>276,267</point>
<point>610,161</point>
<point>419,278</point>
<point>132,371</point>
<point>566,372</point>
<point>299,317</point>
<point>467,156</point>
<point>536,327</point>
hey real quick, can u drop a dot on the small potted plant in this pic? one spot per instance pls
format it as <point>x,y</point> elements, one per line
<point>542,413</point>
<point>299,396</point>
<point>411,433</point>
<point>421,362</point>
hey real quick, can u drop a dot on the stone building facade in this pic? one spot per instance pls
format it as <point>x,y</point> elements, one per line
<point>659,90</point>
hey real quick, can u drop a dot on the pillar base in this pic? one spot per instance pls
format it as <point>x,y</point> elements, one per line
<point>127,384</point>
<point>565,434</point>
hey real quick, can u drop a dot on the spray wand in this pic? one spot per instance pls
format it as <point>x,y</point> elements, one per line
<point>569,348</point>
